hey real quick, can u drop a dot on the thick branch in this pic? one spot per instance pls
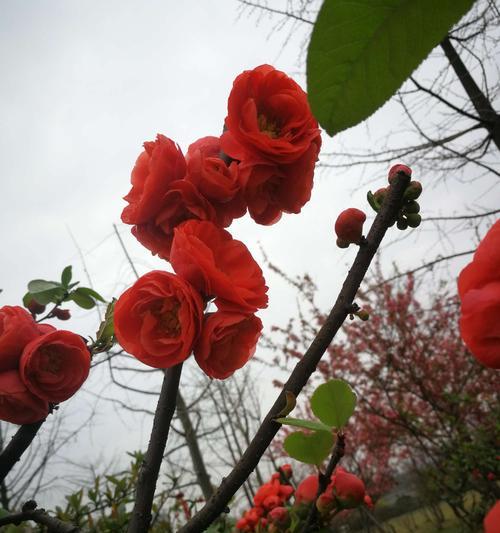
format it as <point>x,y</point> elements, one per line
<point>17,446</point>
<point>150,468</point>
<point>194,449</point>
<point>31,513</point>
<point>482,105</point>
<point>306,366</point>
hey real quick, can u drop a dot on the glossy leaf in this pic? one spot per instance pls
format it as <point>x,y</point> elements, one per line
<point>311,448</point>
<point>361,52</point>
<point>333,402</point>
<point>40,285</point>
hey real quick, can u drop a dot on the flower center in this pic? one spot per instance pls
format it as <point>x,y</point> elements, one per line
<point>268,127</point>
<point>167,315</point>
<point>51,360</point>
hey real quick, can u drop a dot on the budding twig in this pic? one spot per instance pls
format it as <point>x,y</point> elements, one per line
<point>31,513</point>
<point>307,365</point>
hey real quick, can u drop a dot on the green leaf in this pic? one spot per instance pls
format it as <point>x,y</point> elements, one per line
<point>333,402</point>
<point>310,448</point>
<point>92,293</point>
<point>82,299</point>
<point>27,299</point>
<point>66,276</point>
<point>361,52</point>
<point>306,424</point>
<point>40,285</point>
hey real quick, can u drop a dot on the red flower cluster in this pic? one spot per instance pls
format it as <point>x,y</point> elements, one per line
<point>479,292</point>
<point>270,513</point>
<point>268,505</point>
<point>345,491</point>
<point>179,206</point>
<point>38,365</point>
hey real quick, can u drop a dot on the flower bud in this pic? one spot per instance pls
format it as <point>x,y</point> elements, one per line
<point>413,191</point>
<point>35,308</point>
<point>396,169</point>
<point>349,226</point>
<point>342,244</point>
<point>279,516</point>
<point>412,207</point>
<point>363,315</point>
<point>61,314</point>
<point>402,224</point>
<point>325,503</point>
<point>286,470</point>
<point>413,219</point>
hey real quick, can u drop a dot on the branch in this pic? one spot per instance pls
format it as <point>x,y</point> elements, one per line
<point>463,217</point>
<point>306,366</point>
<point>30,512</point>
<point>275,11</point>
<point>17,446</point>
<point>150,468</point>
<point>481,104</point>
<point>324,479</point>
<point>194,449</point>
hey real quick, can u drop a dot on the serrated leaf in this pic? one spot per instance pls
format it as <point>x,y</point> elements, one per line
<point>310,448</point>
<point>361,52</point>
<point>66,275</point>
<point>92,293</point>
<point>82,300</point>
<point>40,285</point>
<point>306,424</point>
<point>333,402</point>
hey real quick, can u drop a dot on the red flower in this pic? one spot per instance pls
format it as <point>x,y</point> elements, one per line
<point>158,319</point>
<point>349,226</point>
<point>270,129</point>
<point>17,328</point>
<point>269,119</point>
<point>279,516</point>
<point>492,519</point>
<point>307,490</point>
<point>181,202</point>
<point>226,343</point>
<point>156,168</point>
<point>217,181</point>
<point>218,266</point>
<point>348,489</point>
<point>479,292</point>
<point>17,404</point>
<point>55,365</point>
<point>272,189</point>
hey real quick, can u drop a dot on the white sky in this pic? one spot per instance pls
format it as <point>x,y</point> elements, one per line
<point>83,84</point>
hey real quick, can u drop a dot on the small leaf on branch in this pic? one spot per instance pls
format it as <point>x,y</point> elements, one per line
<point>306,424</point>
<point>333,402</point>
<point>66,276</point>
<point>81,299</point>
<point>36,286</point>
<point>92,293</point>
<point>311,448</point>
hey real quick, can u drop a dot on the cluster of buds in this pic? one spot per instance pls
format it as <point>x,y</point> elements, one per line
<point>409,213</point>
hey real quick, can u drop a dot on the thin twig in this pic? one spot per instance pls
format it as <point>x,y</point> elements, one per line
<point>306,366</point>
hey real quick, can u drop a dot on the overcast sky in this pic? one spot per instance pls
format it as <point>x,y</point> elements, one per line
<point>84,84</point>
